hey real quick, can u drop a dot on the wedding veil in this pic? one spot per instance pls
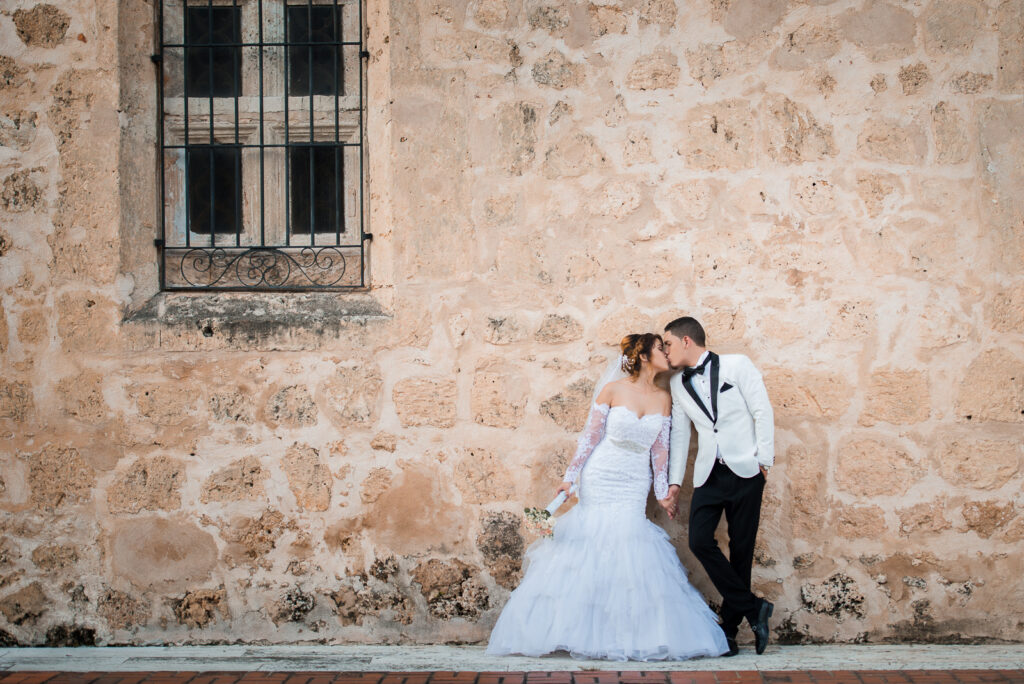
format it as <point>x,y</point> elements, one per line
<point>611,373</point>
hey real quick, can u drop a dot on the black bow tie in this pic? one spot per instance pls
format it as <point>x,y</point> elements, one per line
<point>698,370</point>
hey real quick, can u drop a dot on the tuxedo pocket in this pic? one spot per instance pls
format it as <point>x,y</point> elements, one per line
<point>726,387</point>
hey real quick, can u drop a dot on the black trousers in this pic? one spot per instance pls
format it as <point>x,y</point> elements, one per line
<point>740,499</point>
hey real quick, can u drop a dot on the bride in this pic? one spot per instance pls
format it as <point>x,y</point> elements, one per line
<point>609,584</point>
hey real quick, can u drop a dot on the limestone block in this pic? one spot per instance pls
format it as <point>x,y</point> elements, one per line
<point>122,610</point>
<point>425,401</point>
<point>25,605</point>
<point>637,148</point>
<point>291,406</point>
<point>660,12</point>
<point>871,467</point>
<point>654,71</point>
<point>569,408</point>
<point>879,84</point>
<point>42,26</point>
<point>809,44</point>
<point>792,134</point>
<point>573,156</point>
<point>556,71</point>
<point>623,322</point>
<point>4,332</point>
<point>807,393</point>
<point>352,396</point>
<point>986,517</point>
<point>20,193</point>
<point>992,388</point>
<point>883,139</point>
<point>549,15</point>
<point>881,30</point>
<point>375,484</point>
<point>606,19</point>
<point>12,74</point>
<point>293,606</point>
<point>235,406</point>
<point>816,195</point>
<point>149,484</point>
<point>242,480</point>
<point>952,26</point>
<point>707,63</point>
<point>1010,20</point>
<point>746,19</point>
<point>17,129</point>
<point>87,323</point>
<point>896,396</point>
<point>875,188</point>
<point>913,78</point>
<point>164,403</point>
<point>616,199</point>
<point>851,319</point>
<point>199,607</point>
<point>970,83</point>
<point>858,522</point>
<point>81,396</point>
<point>59,476</point>
<point>504,329</point>
<point>482,476</point>
<point>980,463</point>
<point>499,394</point>
<point>924,518</point>
<point>76,258</point>
<point>15,400</point>
<point>838,597</point>
<point>1004,310</point>
<point>161,553</point>
<point>691,199</point>
<point>517,132</point>
<point>1002,174</point>
<point>33,327</point>
<point>490,13</point>
<point>257,537</point>
<point>73,93</point>
<point>719,136</point>
<point>55,557</point>
<point>452,589</point>
<point>384,441</point>
<point>501,545</point>
<point>308,477</point>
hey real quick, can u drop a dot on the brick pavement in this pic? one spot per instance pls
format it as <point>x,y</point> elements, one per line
<point>583,677</point>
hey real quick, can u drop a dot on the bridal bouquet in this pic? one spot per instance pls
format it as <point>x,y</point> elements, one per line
<point>542,520</point>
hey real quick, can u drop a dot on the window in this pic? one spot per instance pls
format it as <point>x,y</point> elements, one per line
<point>261,130</point>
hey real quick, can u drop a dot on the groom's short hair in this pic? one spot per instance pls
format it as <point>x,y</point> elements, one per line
<point>687,327</point>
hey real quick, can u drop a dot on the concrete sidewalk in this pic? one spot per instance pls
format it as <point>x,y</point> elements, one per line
<point>375,658</point>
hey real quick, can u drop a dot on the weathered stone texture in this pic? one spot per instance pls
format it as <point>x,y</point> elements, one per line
<point>808,393</point>
<point>651,72</point>
<point>793,134</point>
<point>868,467</point>
<point>884,139</point>
<point>923,518</point>
<point>122,610</point>
<point>199,607</point>
<point>880,29</point>
<point>499,395</point>
<point>59,476</point>
<point>149,484</point>
<point>162,553</point>
<point>425,401</point>
<point>980,463</point>
<point>859,522</point>
<point>501,544</point>
<point>992,388</point>
<point>43,25</point>
<point>20,193</point>
<point>896,396</point>
<point>55,557</point>
<point>292,406</point>
<point>242,480</point>
<point>25,605</point>
<point>719,136</point>
<point>570,407</point>
<point>308,477</point>
<point>451,589</point>
<point>482,476</point>
<point>986,517</point>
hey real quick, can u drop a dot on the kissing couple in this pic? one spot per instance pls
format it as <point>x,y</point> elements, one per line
<point>608,583</point>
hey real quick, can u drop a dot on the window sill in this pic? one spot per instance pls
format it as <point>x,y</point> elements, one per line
<point>177,321</point>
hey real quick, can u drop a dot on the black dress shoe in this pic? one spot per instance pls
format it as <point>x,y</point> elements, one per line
<point>733,648</point>
<point>760,627</point>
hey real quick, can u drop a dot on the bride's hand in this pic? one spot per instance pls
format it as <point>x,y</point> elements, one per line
<point>564,487</point>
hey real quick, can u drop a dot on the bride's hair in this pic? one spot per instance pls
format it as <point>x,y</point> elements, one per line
<point>636,348</point>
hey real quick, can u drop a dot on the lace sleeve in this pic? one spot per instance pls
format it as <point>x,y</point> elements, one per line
<point>659,459</point>
<point>592,435</point>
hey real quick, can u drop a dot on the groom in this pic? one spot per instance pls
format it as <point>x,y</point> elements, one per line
<point>725,398</point>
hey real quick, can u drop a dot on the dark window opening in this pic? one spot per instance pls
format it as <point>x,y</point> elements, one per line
<point>316,181</point>
<point>214,189</point>
<point>213,71</point>
<point>310,63</point>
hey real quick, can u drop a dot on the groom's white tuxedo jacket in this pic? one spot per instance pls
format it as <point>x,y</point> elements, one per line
<point>738,425</point>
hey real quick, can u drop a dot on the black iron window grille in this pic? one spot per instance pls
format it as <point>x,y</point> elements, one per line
<point>261,106</point>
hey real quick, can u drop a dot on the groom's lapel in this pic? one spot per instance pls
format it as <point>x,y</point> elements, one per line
<point>714,388</point>
<point>688,384</point>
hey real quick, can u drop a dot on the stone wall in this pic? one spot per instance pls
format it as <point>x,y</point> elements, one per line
<point>834,188</point>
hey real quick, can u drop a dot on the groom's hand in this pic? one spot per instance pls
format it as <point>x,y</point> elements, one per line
<point>671,502</point>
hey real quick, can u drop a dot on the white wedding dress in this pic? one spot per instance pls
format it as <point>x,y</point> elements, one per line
<point>609,584</point>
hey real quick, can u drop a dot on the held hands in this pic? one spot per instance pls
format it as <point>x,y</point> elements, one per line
<point>564,487</point>
<point>671,502</point>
